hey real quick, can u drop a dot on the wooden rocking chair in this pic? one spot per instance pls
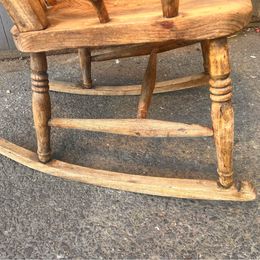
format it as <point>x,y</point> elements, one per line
<point>132,28</point>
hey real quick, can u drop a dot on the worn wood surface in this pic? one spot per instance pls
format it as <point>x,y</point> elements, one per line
<point>134,127</point>
<point>179,188</point>
<point>85,65</point>
<point>148,86</point>
<point>205,54</point>
<point>137,50</point>
<point>101,10</point>
<point>192,81</point>
<point>28,15</point>
<point>170,8</point>
<point>41,105</point>
<point>222,110</point>
<point>77,26</point>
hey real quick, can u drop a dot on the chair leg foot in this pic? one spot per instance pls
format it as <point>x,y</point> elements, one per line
<point>222,110</point>
<point>41,105</point>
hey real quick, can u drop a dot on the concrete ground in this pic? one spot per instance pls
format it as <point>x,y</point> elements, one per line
<point>43,217</point>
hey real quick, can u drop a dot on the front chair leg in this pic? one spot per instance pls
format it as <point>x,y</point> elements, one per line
<point>222,110</point>
<point>41,105</point>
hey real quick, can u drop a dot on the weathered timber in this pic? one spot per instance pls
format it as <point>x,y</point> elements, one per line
<point>168,187</point>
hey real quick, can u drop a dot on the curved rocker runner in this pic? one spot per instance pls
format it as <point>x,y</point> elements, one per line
<point>127,29</point>
<point>169,187</point>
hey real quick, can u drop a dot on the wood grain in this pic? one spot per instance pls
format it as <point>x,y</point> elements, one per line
<point>168,187</point>
<point>148,86</point>
<point>41,104</point>
<point>101,10</point>
<point>138,50</point>
<point>170,8</point>
<point>77,26</point>
<point>222,110</point>
<point>85,65</point>
<point>28,15</point>
<point>192,81</point>
<point>134,127</point>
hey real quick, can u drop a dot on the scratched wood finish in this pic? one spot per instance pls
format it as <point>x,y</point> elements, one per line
<point>170,8</point>
<point>168,187</point>
<point>222,110</point>
<point>101,10</point>
<point>41,104</point>
<point>27,15</point>
<point>85,65</point>
<point>129,21</point>
<point>134,127</point>
<point>137,50</point>
<point>139,26</point>
<point>192,81</point>
<point>147,86</point>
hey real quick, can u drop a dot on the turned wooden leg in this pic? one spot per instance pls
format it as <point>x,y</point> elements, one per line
<point>85,64</point>
<point>147,86</point>
<point>41,104</point>
<point>222,110</point>
<point>205,51</point>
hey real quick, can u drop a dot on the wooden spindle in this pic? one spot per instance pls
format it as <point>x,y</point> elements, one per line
<point>101,10</point>
<point>148,86</point>
<point>85,64</point>
<point>170,8</point>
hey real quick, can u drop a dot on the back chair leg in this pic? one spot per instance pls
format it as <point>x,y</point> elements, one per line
<point>205,51</point>
<point>222,110</point>
<point>85,65</point>
<point>41,105</point>
<point>147,86</point>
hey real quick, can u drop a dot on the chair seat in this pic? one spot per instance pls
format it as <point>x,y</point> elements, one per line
<point>74,24</point>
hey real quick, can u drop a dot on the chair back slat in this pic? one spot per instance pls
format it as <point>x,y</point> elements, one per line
<point>170,8</point>
<point>28,15</point>
<point>101,10</point>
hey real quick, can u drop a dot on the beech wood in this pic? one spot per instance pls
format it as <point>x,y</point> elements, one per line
<point>101,10</point>
<point>192,81</point>
<point>75,25</point>
<point>168,187</point>
<point>134,28</point>
<point>41,104</point>
<point>138,50</point>
<point>134,127</point>
<point>27,15</point>
<point>85,64</point>
<point>170,8</point>
<point>147,86</point>
<point>222,110</point>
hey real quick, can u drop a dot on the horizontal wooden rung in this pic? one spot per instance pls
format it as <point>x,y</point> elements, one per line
<point>134,127</point>
<point>170,187</point>
<point>192,81</point>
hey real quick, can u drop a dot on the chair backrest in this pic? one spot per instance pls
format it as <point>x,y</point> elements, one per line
<point>170,8</point>
<point>30,15</point>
